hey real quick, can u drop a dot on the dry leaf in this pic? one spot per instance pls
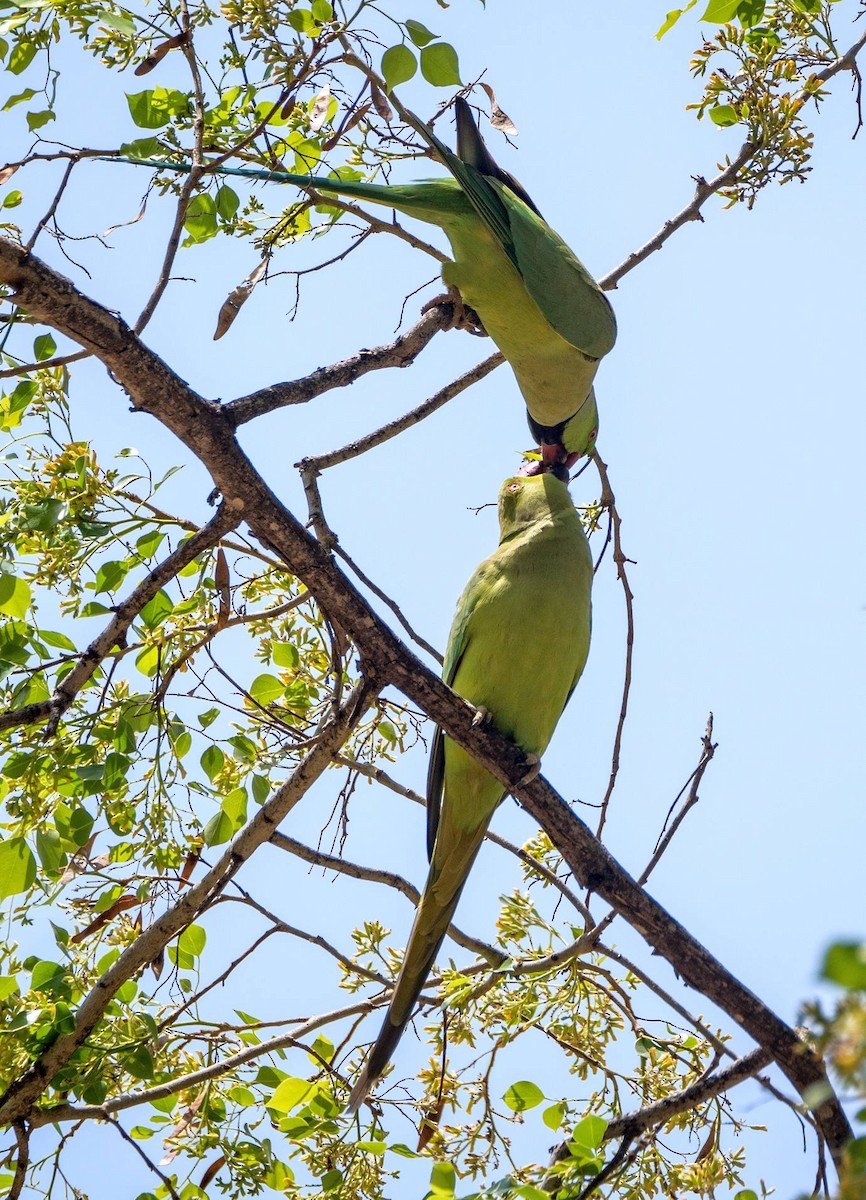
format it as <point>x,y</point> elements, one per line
<point>319,111</point>
<point>6,174</point>
<point>381,105</point>
<point>499,119</point>
<point>158,54</point>
<point>236,298</point>
<point>712,1141</point>
<point>215,1166</point>
<point>157,964</point>
<point>222,581</point>
<point>123,224</point>
<point>357,115</point>
<point>121,903</point>
<point>430,1123</point>
<point>189,864</point>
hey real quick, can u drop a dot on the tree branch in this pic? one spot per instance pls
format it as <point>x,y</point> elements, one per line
<point>115,631</point>
<point>205,430</point>
<point>402,352</point>
<point>705,189</point>
<point>21,1095</point>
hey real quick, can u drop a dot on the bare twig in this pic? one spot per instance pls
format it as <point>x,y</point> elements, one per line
<point>342,866</point>
<point>608,501</point>
<point>402,352</point>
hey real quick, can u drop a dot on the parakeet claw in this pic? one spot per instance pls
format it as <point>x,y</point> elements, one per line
<point>533,762</point>
<point>482,715</point>
<point>462,316</point>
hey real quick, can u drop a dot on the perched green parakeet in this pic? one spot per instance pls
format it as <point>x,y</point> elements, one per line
<point>517,648</point>
<point>533,296</point>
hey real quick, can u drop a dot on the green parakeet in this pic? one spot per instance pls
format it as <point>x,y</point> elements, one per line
<point>517,648</point>
<point>534,297</point>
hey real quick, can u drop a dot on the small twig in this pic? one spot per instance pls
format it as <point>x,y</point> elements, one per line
<point>50,364</point>
<point>53,206</point>
<point>709,749</point>
<point>377,591</point>
<point>413,417</point>
<point>69,1112</point>
<point>166,1181</point>
<point>608,500</point>
<point>22,1141</point>
<point>342,866</point>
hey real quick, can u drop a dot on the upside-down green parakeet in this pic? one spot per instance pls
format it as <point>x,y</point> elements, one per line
<point>533,296</point>
<point>517,648</point>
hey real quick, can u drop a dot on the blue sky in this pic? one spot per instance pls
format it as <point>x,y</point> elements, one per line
<point>732,420</point>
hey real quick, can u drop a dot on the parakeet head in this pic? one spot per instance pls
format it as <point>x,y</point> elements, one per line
<point>526,499</point>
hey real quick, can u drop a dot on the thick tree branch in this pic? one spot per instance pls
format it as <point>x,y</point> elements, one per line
<point>204,429</point>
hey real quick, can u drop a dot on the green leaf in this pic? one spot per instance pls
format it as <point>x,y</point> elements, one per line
<point>43,347</point>
<point>235,808</point>
<point>45,516</point>
<point>50,851</point>
<point>17,867</point>
<point>528,1191</point>
<point>212,762</point>
<point>110,576</point>
<point>201,223</point>
<point>672,17</point>
<point>398,65</point>
<point>419,33</point>
<point>208,717</point>
<point>322,11</point>
<point>139,1063</point>
<point>403,1150</point>
<point>721,11</point>
<point>192,941</point>
<point>845,964</point>
<point>8,985</point>
<point>14,596</point>
<point>285,654</point>
<point>154,108</point>
<point>372,1147</point>
<point>266,689</point>
<point>49,977</point>
<point>218,830</point>
<point>443,1177</point>
<point>261,789</point>
<point>523,1095</point>
<point>12,199</point>
<point>156,610</point>
<point>322,1049</point>
<point>439,65</point>
<point>21,57</point>
<point>723,114</point>
<point>141,148</point>
<point>227,202</point>
<point>291,1093</point>
<point>746,1194</point>
<point>35,120</point>
<point>589,1132</point>
<point>19,98</point>
<point>750,12</point>
<point>807,6</point>
<point>552,1116</point>
<point>116,21</point>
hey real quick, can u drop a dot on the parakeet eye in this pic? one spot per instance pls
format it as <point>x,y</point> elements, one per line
<point>514,487</point>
